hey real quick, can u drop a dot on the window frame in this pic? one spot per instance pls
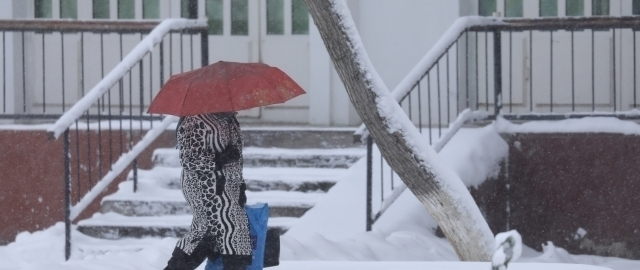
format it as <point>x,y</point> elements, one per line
<point>306,20</point>
<point>280,31</point>
<point>232,21</point>
<point>520,13</point>
<point>132,9</point>
<point>93,10</point>
<point>74,8</point>
<point>601,8</point>
<point>191,11</point>
<point>567,9</point>
<point>210,21</point>
<point>38,8</point>
<point>540,9</point>
<point>144,14</point>
<point>486,2</point>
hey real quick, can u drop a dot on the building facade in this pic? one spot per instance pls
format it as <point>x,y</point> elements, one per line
<point>280,33</point>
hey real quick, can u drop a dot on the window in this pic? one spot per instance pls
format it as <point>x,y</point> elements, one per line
<point>600,7</point>
<point>214,16</point>
<point>487,7</point>
<point>189,9</point>
<point>44,9</point>
<point>150,9</point>
<point>548,8</point>
<point>513,8</point>
<point>101,9</point>
<point>275,17</point>
<point>636,7</point>
<point>299,18</point>
<point>126,9</point>
<point>68,9</point>
<point>575,7</point>
<point>240,17</point>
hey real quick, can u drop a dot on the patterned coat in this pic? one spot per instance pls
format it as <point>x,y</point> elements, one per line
<point>212,183</point>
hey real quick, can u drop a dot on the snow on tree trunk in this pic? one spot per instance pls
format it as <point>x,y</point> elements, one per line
<point>439,189</point>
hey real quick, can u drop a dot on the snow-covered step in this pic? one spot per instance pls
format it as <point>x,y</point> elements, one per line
<point>258,179</point>
<point>115,226</point>
<point>297,137</point>
<point>278,157</point>
<point>151,199</point>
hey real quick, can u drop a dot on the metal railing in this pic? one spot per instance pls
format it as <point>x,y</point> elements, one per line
<point>48,65</point>
<point>524,69</point>
<point>104,132</point>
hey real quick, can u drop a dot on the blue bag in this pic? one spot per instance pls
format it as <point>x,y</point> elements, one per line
<point>258,216</point>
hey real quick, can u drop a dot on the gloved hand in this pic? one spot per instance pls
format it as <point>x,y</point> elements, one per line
<point>243,195</point>
<point>230,154</point>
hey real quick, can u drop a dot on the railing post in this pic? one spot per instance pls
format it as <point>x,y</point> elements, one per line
<point>204,47</point>
<point>497,72</point>
<point>369,181</point>
<point>67,196</point>
<point>135,175</point>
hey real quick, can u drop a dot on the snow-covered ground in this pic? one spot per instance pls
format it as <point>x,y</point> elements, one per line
<point>375,250</point>
<point>331,235</point>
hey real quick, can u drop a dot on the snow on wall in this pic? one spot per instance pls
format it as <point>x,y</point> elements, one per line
<point>579,125</point>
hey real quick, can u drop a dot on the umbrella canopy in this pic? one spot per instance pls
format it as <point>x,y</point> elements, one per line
<point>224,87</point>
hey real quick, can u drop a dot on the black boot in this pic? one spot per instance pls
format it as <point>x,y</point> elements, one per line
<point>183,261</point>
<point>235,262</point>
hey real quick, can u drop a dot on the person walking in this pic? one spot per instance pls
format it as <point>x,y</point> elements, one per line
<point>210,144</point>
<point>210,147</point>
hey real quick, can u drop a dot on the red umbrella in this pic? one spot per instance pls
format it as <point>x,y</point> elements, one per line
<point>224,87</point>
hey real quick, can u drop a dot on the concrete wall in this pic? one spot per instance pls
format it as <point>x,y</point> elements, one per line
<point>32,178</point>
<point>577,190</point>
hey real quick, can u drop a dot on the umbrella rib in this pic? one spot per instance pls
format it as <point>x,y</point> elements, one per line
<point>282,99</point>
<point>185,95</point>
<point>229,90</point>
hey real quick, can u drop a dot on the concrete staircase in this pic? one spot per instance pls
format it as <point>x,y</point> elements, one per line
<point>288,169</point>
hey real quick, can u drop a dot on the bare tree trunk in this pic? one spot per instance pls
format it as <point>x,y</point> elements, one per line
<point>444,196</point>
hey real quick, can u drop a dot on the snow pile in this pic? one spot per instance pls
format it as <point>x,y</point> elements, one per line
<point>422,266</point>
<point>509,249</point>
<point>45,250</point>
<point>475,154</point>
<point>400,250</point>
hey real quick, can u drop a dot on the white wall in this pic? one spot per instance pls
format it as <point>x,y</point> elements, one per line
<point>7,7</point>
<point>396,35</point>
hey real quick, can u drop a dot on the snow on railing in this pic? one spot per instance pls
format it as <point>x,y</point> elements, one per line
<point>431,58</point>
<point>508,249</point>
<point>466,115</point>
<point>144,47</point>
<point>121,165</point>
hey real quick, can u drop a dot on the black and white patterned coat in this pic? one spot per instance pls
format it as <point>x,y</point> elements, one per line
<point>212,183</point>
